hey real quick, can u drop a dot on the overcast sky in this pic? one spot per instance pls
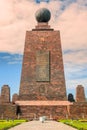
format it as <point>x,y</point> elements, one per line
<point>68,16</point>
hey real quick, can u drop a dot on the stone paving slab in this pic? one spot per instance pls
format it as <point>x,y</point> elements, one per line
<point>47,125</point>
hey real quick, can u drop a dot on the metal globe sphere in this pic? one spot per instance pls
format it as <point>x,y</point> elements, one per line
<point>43,15</point>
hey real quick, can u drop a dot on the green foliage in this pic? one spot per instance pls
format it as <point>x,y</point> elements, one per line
<point>83,120</point>
<point>4,124</point>
<point>79,124</point>
<point>71,97</point>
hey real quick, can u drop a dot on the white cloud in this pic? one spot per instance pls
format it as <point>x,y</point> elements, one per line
<point>72,23</point>
<point>6,13</point>
<point>76,58</point>
<point>76,69</point>
<point>11,58</point>
<point>18,16</point>
<point>72,84</point>
<point>5,57</point>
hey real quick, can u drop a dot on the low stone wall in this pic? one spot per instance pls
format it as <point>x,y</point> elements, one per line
<point>52,112</point>
<point>78,110</point>
<point>8,111</point>
<point>74,111</point>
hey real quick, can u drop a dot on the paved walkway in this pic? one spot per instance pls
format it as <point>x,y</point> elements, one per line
<point>47,125</point>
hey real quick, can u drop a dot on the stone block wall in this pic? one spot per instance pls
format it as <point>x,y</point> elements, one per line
<point>78,110</point>
<point>15,97</point>
<point>8,111</point>
<point>5,94</point>
<point>52,112</point>
<point>47,40</point>
<point>80,94</point>
<point>0,100</point>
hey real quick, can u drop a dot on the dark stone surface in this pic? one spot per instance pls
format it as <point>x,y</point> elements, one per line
<point>54,89</point>
<point>42,66</point>
<point>43,15</point>
<point>51,112</point>
<point>15,97</point>
<point>80,94</point>
<point>78,110</point>
<point>5,94</point>
<point>8,111</point>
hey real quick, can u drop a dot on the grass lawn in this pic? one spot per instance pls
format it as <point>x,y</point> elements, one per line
<point>79,124</point>
<point>5,125</point>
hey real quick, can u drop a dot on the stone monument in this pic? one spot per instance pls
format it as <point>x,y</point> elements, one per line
<point>5,94</point>
<point>42,90</point>
<point>80,94</point>
<point>42,71</point>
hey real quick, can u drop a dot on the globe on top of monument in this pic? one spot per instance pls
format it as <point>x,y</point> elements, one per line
<point>43,15</point>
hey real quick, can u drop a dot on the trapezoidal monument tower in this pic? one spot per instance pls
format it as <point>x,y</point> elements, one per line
<point>42,70</point>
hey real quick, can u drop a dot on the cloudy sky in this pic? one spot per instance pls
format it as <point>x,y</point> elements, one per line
<point>68,16</point>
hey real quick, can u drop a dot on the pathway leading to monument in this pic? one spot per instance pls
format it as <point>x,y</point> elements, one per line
<point>47,125</point>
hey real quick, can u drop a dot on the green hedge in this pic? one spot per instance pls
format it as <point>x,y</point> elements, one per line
<point>4,124</point>
<point>79,124</point>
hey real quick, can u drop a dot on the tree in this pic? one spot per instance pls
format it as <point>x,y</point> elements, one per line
<point>71,97</point>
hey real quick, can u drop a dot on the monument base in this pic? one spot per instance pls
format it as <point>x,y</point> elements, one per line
<point>51,109</point>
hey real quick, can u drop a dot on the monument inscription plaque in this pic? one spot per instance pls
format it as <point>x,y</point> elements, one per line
<point>42,67</point>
